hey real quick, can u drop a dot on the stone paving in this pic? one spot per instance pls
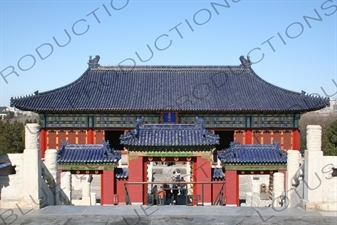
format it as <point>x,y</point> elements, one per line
<point>139,215</point>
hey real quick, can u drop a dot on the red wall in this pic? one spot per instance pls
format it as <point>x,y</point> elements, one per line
<point>296,139</point>
<point>136,191</point>
<point>277,137</point>
<point>248,137</point>
<point>99,137</point>
<point>239,137</point>
<point>120,190</point>
<point>287,142</point>
<point>203,172</point>
<point>43,144</point>
<point>216,190</point>
<point>267,138</point>
<point>51,140</point>
<point>72,137</point>
<point>90,136</point>
<point>257,137</point>
<point>232,188</point>
<point>107,187</point>
<point>288,139</point>
<point>82,137</point>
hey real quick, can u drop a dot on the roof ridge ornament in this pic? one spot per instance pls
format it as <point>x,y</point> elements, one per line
<point>245,62</point>
<point>108,152</point>
<point>276,144</point>
<point>64,144</point>
<point>93,63</point>
<point>199,122</point>
<point>106,143</point>
<point>140,120</point>
<point>62,149</point>
<point>135,132</point>
<point>232,144</point>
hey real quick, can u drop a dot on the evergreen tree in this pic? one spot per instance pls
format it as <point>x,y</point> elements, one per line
<point>9,116</point>
<point>329,139</point>
<point>11,137</point>
<point>303,144</point>
<point>6,138</point>
<point>17,137</point>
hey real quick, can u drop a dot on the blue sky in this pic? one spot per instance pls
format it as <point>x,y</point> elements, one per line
<point>299,53</point>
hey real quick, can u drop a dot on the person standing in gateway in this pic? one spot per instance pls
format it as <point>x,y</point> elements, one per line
<point>161,194</point>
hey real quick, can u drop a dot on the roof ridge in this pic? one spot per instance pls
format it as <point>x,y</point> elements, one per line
<point>51,91</point>
<point>167,84</point>
<point>283,89</point>
<point>185,67</point>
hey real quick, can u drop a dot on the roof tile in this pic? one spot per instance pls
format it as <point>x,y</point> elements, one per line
<point>179,88</point>
<point>169,134</point>
<point>87,153</point>
<point>253,154</point>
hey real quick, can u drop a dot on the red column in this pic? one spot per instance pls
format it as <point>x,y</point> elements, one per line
<point>43,142</point>
<point>232,188</point>
<point>135,191</point>
<point>107,187</point>
<point>90,137</point>
<point>194,178</point>
<point>203,174</point>
<point>144,179</point>
<point>296,140</point>
<point>248,137</point>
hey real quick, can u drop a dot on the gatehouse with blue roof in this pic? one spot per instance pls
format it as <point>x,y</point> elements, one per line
<point>218,121</point>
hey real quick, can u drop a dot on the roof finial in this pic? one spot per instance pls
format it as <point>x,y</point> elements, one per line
<point>245,62</point>
<point>93,63</point>
<point>200,122</point>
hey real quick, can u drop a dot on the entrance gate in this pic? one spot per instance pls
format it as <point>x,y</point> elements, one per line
<point>195,199</point>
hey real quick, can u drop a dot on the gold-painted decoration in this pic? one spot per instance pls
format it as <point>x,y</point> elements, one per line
<point>176,159</point>
<point>163,159</point>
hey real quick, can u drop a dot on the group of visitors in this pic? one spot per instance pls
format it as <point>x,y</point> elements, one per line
<point>168,195</point>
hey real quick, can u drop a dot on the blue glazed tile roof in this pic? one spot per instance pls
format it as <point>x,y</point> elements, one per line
<point>179,88</point>
<point>5,164</point>
<point>121,173</point>
<point>87,153</point>
<point>170,135</point>
<point>253,154</point>
<point>217,173</point>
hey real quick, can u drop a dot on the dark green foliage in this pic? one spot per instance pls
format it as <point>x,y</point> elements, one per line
<point>329,140</point>
<point>303,144</point>
<point>11,137</point>
<point>28,121</point>
<point>314,119</point>
<point>9,116</point>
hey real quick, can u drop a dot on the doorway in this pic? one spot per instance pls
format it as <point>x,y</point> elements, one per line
<point>226,137</point>
<point>113,138</point>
